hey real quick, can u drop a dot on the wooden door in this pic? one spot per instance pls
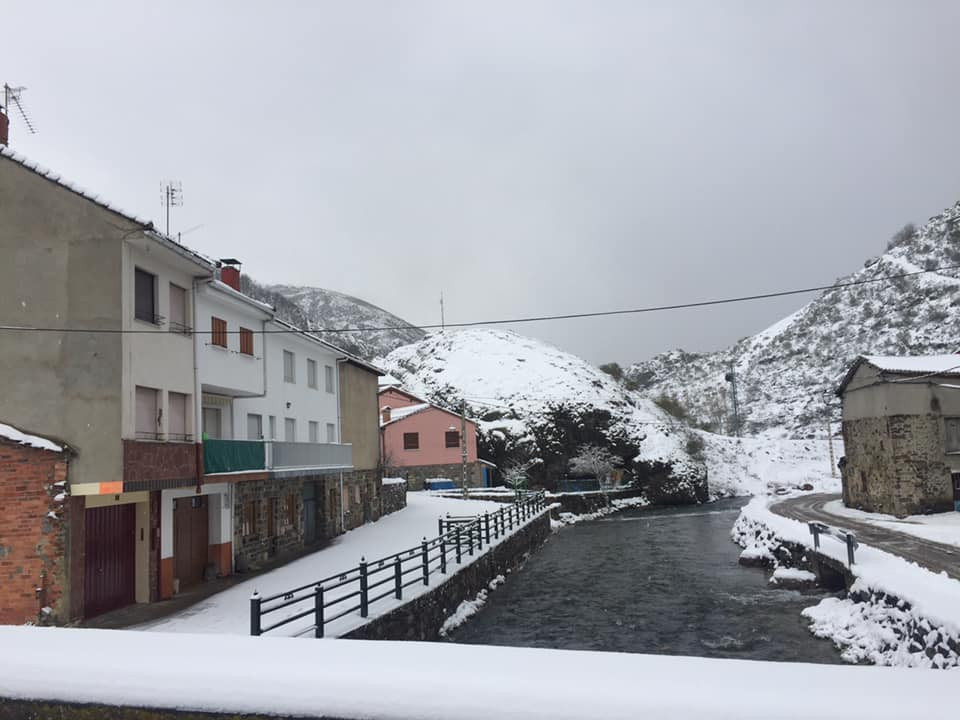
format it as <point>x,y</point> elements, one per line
<point>309,497</point>
<point>109,578</point>
<point>190,539</point>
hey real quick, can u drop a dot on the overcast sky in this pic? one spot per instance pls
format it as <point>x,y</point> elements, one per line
<point>524,158</point>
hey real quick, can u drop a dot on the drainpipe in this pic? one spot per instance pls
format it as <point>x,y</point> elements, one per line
<point>197,391</point>
<point>341,503</point>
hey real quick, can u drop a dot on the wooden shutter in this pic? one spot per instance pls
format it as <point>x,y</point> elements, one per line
<point>218,335</point>
<point>246,341</point>
<point>411,441</point>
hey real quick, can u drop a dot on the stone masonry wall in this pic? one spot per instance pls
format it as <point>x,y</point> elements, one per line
<point>422,617</point>
<point>896,465</point>
<point>416,474</point>
<point>158,465</point>
<point>258,547</point>
<point>34,526</point>
<point>393,497</point>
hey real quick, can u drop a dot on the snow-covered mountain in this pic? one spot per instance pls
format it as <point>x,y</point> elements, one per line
<point>786,374</point>
<point>317,308</point>
<point>536,401</point>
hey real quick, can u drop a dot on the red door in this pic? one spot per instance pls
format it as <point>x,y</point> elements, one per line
<point>109,578</point>
<point>190,539</point>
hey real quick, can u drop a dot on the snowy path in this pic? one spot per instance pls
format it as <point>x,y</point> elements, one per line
<point>935,556</point>
<point>227,612</point>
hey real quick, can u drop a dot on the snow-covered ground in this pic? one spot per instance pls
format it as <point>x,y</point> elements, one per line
<point>228,612</point>
<point>434,681</point>
<point>940,527</point>
<point>868,625</point>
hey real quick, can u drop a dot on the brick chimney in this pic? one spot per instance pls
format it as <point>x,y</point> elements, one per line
<point>230,272</point>
<point>385,414</point>
<point>4,128</point>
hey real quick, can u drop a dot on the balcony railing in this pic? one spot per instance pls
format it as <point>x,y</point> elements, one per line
<point>223,456</point>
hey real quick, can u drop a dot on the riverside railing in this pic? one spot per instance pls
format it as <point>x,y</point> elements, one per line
<point>370,582</point>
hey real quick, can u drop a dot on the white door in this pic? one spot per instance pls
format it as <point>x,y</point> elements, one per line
<point>289,430</point>
<point>254,427</point>
<point>211,422</point>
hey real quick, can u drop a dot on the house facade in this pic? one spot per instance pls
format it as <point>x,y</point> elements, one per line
<point>421,442</point>
<point>206,435</point>
<point>901,434</point>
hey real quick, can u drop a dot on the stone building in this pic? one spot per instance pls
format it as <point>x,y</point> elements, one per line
<point>901,433</point>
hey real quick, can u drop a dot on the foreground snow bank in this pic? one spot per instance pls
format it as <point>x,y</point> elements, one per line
<point>385,680</point>
<point>896,613</point>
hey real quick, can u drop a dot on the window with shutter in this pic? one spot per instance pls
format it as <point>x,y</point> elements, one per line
<point>246,341</point>
<point>218,332</point>
<point>451,439</point>
<point>178,310</point>
<point>147,426</point>
<point>952,440</point>
<point>145,296</point>
<point>411,441</point>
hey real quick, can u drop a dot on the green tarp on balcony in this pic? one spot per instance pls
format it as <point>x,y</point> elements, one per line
<point>232,455</point>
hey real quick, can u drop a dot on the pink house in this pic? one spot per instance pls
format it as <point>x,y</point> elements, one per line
<point>421,442</point>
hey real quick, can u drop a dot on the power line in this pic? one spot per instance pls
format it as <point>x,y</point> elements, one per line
<point>511,321</point>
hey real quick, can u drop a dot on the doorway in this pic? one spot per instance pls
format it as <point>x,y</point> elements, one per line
<point>190,539</point>
<point>109,558</point>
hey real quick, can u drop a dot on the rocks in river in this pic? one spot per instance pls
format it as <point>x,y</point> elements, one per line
<point>793,578</point>
<point>756,556</point>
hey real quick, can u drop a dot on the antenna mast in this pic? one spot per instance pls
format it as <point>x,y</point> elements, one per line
<point>11,96</point>
<point>172,197</point>
<point>442,321</point>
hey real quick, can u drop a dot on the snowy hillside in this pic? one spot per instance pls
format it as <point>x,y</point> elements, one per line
<point>317,308</point>
<point>537,401</point>
<point>786,374</point>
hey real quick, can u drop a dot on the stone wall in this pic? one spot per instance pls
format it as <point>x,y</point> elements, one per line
<point>258,547</point>
<point>11,709</point>
<point>896,465</point>
<point>34,527</point>
<point>416,474</point>
<point>590,502</point>
<point>393,497</point>
<point>422,617</point>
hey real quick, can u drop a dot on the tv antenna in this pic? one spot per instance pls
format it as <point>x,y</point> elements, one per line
<point>11,96</point>
<point>172,197</point>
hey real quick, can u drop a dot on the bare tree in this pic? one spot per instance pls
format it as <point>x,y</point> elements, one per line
<point>515,474</point>
<point>598,462</point>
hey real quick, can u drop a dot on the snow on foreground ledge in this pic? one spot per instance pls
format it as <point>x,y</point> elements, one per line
<point>388,680</point>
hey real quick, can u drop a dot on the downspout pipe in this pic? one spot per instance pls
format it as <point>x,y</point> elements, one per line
<point>197,391</point>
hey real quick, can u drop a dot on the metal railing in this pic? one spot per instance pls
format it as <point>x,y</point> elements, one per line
<point>847,538</point>
<point>355,590</point>
<point>220,456</point>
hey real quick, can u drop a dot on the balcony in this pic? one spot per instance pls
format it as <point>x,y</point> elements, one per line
<point>228,456</point>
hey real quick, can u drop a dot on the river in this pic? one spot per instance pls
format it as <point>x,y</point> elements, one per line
<point>662,580</point>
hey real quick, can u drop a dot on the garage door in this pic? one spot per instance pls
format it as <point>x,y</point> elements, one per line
<point>190,539</point>
<point>109,563</point>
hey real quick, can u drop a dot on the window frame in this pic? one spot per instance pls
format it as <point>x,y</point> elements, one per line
<point>313,376</point>
<point>218,332</point>
<point>328,380</point>
<point>151,317</point>
<point>331,433</point>
<point>292,377</point>
<point>248,527</point>
<point>313,431</point>
<point>947,422</point>
<point>176,326</point>
<point>246,341</point>
<point>446,438</point>
<point>411,441</point>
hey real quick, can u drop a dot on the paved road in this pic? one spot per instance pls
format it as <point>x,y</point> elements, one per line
<point>932,555</point>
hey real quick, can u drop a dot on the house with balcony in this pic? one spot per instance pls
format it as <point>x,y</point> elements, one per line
<point>422,443</point>
<point>111,373</point>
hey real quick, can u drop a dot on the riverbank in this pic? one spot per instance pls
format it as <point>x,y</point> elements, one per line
<point>894,613</point>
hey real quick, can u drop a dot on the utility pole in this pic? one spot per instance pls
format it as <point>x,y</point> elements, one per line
<point>463,448</point>
<point>731,377</point>
<point>442,321</point>
<point>833,463</point>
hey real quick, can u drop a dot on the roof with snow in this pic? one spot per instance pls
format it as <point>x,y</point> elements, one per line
<point>910,365</point>
<point>147,225</point>
<point>9,432</point>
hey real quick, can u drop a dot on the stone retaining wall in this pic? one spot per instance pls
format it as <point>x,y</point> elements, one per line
<point>590,502</point>
<point>422,617</point>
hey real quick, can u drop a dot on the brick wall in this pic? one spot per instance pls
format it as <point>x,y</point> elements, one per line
<point>896,465</point>
<point>416,474</point>
<point>158,465</point>
<point>34,527</point>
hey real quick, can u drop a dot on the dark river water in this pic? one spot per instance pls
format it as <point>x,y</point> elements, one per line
<point>649,581</point>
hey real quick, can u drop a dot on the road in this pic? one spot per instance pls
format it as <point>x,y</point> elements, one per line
<point>931,555</point>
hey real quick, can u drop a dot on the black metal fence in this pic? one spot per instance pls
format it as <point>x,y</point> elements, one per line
<point>459,539</point>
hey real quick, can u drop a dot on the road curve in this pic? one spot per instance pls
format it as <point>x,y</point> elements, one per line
<point>931,555</point>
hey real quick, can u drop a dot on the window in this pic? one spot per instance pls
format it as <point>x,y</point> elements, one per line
<point>356,494</point>
<point>289,430</point>
<point>178,310</point>
<point>246,341</point>
<point>328,378</point>
<point>331,433</point>
<point>148,416</point>
<point>218,334</point>
<point>952,439</point>
<point>314,431</point>
<point>211,423</point>
<point>289,368</point>
<point>273,427</point>
<point>411,441</point>
<point>292,511</point>
<point>312,373</point>
<point>451,439</point>
<point>177,406</point>
<point>254,426</point>
<point>145,296</point>
<point>272,517</point>
<point>956,484</point>
<point>249,518</point>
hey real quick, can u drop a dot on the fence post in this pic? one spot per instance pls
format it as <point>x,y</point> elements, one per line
<point>318,612</point>
<point>364,604</point>
<point>470,539</point>
<point>443,554</point>
<point>397,579</point>
<point>255,613</point>
<point>426,561</point>
<point>440,526</point>
<point>486,525</point>
<point>459,553</point>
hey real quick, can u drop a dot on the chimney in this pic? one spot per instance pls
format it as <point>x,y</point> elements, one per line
<point>385,414</point>
<point>4,127</point>
<point>230,272</point>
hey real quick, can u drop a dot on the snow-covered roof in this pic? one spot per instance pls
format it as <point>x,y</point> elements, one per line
<point>388,380</point>
<point>9,432</point>
<point>932,365</point>
<point>93,197</point>
<point>403,412</point>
